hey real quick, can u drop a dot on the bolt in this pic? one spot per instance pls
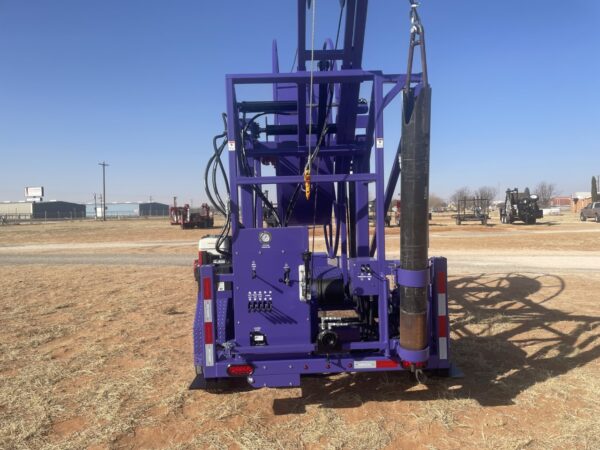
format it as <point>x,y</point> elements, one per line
<point>264,367</point>
<point>290,366</point>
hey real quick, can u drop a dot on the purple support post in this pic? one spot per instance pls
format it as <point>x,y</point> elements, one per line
<point>380,210</point>
<point>232,145</point>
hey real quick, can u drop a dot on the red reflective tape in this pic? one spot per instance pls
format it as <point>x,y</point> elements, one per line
<point>441,282</point>
<point>386,364</point>
<point>442,326</point>
<point>208,333</point>
<point>206,288</point>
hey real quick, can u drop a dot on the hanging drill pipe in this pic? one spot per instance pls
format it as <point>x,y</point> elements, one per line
<point>414,224</point>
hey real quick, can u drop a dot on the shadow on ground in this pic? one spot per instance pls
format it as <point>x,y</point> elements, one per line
<point>507,338</point>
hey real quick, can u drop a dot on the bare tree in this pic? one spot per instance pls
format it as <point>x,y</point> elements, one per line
<point>459,194</point>
<point>486,192</point>
<point>545,191</point>
<point>436,202</point>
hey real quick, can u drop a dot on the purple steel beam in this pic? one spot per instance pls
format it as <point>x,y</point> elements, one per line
<point>301,35</point>
<point>380,212</point>
<point>232,144</point>
<point>247,198</point>
<point>328,76</point>
<point>290,179</point>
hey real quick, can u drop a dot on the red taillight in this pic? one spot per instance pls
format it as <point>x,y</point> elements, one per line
<point>207,288</point>
<point>240,370</point>
<point>386,364</point>
<point>418,365</point>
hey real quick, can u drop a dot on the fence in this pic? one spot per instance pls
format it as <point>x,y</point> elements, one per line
<point>8,219</point>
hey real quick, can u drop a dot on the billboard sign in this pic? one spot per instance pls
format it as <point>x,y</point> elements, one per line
<point>36,191</point>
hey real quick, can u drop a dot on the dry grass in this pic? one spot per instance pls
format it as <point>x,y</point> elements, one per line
<point>99,356</point>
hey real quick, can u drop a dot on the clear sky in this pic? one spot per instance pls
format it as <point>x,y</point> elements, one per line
<point>140,84</point>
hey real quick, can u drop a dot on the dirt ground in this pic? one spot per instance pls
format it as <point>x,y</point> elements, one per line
<point>96,348</point>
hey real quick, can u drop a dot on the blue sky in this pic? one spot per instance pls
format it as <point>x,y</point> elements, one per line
<point>140,84</point>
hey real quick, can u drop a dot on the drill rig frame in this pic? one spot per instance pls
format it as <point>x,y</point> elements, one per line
<point>271,308</point>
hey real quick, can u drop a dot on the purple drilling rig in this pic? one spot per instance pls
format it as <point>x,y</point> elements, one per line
<point>271,308</point>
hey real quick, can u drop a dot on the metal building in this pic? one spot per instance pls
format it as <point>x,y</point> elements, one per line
<point>115,210</point>
<point>41,210</point>
<point>153,209</point>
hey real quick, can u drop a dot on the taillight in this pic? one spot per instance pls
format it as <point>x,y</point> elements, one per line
<point>418,365</point>
<point>240,370</point>
<point>386,364</point>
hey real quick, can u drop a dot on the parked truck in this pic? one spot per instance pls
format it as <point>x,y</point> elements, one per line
<point>591,211</point>
<point>187,217</point>
<point>520,206</point>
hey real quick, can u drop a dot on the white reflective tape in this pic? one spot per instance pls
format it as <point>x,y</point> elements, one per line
<point>209,354</point>
<point>365,364</point>
<point>442,305</point>
<point>207,311</point>
<point>443,348</point>
<point>231,146</point>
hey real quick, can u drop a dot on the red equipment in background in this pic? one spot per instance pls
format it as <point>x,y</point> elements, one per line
<point>187,217</point>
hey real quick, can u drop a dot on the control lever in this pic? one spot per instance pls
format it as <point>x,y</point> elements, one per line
<point>306,256</point>
<point>286,275</point>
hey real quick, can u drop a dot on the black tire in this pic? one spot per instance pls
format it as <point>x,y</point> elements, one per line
<point>597,218</point>
<point>582,217</point>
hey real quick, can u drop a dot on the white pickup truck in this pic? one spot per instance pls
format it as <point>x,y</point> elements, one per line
<point>591,211</point>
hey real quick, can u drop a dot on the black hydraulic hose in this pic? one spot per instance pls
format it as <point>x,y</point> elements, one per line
<point>291,204</point>
<point>249,172</point>
<point>217,163</point>
<point>223,235</point>
<point>217,204</point>
<point>211,199</point>
<point>215,159</point>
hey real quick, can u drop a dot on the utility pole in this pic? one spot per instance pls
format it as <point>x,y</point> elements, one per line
<point>103,164</point>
